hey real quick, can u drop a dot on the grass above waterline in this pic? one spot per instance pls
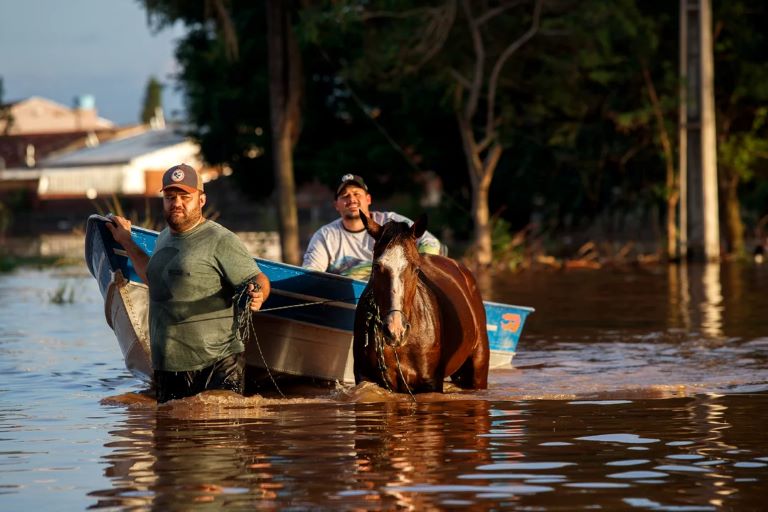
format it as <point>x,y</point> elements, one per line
<point>10,262</point>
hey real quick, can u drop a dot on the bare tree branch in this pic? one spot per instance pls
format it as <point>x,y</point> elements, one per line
<point>217,10</point>
<point>436,33</point>
<point>483,144</point>
<point>505,55</point>
<point>474,164</point>
<point>477,78</point>
<point>492,13</point>
<point>491,160</point>
<point>463,81</point>
<point>435,25</point>
<point>410,13</point>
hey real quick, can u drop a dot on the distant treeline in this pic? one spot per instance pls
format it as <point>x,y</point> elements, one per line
<point>540,118</point>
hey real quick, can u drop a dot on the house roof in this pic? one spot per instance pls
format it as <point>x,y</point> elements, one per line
<point>13,148</point>
<point>35,115</point>
<point>117,151</point>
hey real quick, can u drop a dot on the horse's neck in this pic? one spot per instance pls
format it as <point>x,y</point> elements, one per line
<point>424,299</point>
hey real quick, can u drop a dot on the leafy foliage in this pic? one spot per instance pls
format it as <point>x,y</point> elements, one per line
<point>152,100</point>
<point>574,114</point>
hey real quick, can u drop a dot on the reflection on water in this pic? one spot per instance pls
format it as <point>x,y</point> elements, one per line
<point>291,455</point>
<point>654,332</point>
<point>706,296</point>
<point>711,323</point>
<point>705,451</point>
<point>696,298</point>
<point>633,388</point>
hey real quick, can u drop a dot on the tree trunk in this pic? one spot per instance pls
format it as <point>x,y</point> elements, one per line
<point>482,221</point>
<point>673,190</point>
<point>734,228</point>
<point>481,174</point>
<point>483,155</point>
<point>284,92</point>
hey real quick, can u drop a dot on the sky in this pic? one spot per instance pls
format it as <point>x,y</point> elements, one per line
<point>61,49</point>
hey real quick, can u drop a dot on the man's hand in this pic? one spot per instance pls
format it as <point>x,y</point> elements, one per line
<point>257,297</point>
<point>120,227</point>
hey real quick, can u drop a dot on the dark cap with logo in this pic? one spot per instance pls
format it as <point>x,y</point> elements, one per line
<point>184,177</point>
<point>351,179</point>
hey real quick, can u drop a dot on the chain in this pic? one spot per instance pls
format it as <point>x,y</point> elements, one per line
<point>373,316</point>
<point>245,327</point>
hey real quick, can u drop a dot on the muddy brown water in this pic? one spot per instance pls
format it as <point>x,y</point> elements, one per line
<point>632,389</point>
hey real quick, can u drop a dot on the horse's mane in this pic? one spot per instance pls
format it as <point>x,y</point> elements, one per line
<point>393,232</point>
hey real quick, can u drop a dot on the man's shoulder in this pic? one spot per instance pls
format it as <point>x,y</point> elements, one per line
<point>382,217</point>
<point>213,228</point>
<point>333,227</point>
<point>213,225</point>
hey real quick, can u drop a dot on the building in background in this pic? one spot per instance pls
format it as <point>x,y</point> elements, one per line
<point>60,191</point>
<point>60,165</point>
<point>34,128</point>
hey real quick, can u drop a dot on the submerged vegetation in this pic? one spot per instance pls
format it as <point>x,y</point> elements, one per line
<point>64,293</point>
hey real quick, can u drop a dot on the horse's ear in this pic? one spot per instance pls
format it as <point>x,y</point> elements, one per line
<point>371,226</point>
<point>420,226</point>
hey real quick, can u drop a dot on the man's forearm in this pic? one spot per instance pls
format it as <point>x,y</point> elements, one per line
<point>120,228</point>
<point>139,259</point>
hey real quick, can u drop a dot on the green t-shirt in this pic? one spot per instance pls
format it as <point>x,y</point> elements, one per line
<point>192,279</point>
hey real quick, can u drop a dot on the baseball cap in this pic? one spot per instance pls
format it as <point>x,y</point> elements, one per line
<point>351,179</point>
<point>184,177</point>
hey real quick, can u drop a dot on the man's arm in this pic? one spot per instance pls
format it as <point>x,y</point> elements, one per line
<point>429,244</point>
<point>120,228</point>
<point>258,296</point>
<point>316,255</point>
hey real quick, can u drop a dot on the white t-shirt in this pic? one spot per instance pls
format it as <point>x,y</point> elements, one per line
<point>334,249</point>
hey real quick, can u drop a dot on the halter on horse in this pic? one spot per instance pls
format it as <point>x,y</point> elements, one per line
<point>421,318</point>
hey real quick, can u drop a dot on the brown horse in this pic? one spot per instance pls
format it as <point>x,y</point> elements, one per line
<point>420,319</point>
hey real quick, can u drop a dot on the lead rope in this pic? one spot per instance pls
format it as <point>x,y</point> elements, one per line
<point>407,388</point>
<point>373,316</point>
<point>311,303</point>
<point>245,327</point>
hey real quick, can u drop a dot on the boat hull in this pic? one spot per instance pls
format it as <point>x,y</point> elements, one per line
<point>305,328</point>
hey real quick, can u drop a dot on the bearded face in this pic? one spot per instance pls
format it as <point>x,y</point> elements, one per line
<point>351,201</point>
<point>183,210</point>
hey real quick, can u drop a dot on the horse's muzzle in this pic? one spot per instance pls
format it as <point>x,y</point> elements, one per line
<point>396,328</point>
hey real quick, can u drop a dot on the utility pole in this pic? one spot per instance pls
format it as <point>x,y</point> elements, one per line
<point>699,215</point>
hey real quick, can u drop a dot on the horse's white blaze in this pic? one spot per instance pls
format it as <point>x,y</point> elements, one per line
<point>394,260</point>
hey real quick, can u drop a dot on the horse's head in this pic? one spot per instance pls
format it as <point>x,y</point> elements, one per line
<point>395,272</point>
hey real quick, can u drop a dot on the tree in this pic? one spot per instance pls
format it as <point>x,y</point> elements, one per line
<point>153,100</point>
<point>6,118</point>
<point>575,135</point>
<point>455,46</point>
<point>480,130</point>
<point>225,83</point>
<point>285,84</point>
<point>741,80</point>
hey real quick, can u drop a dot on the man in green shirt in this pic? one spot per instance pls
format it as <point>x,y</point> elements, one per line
<point>196,269</point>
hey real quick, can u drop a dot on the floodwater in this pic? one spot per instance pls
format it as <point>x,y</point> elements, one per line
<point>632,389</point>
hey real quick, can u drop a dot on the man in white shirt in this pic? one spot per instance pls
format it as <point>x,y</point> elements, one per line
<point>343,246</point>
